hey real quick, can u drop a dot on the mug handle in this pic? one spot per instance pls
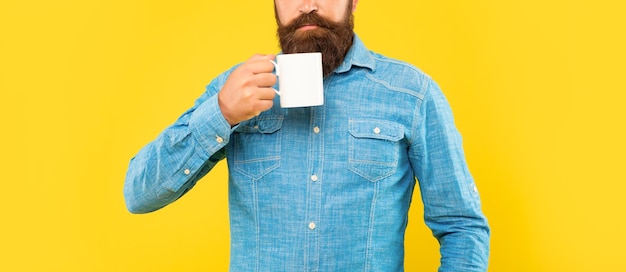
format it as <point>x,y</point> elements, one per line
<point>277,74</point>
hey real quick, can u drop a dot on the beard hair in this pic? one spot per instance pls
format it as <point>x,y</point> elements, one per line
<point>332,39</point>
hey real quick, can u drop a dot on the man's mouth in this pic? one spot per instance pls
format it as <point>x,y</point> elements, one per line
<point>307,27</point>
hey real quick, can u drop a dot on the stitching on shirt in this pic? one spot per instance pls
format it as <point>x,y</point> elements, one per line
<point>370,229</point>
<point>397,89</point>
<point>382,58</point>
<point>418,118</point>
<point>257,227</point>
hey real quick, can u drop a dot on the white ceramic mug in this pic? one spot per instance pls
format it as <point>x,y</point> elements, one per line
<point>300,79</point>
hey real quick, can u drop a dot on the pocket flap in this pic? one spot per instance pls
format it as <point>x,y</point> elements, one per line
<point>265,125</point>
<point>376,129</point>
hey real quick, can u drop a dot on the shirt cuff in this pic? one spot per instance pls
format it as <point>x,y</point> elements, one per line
<point>209,126</point>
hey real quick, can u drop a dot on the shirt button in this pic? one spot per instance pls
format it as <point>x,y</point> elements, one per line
<point>316,129</point>
<point>219,139</point>
<point>187,171</point>
<point>314,178</point>
<point>312,225</point>
<point>377,130</point>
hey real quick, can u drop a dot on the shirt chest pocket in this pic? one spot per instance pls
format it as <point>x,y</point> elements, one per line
<point>374,148</point>
<point>256,146</point>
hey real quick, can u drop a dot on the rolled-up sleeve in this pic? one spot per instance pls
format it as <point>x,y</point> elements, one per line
<point>170,165</point>
<point>452,207</point>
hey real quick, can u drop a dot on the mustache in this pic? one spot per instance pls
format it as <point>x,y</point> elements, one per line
<point>310,19</point>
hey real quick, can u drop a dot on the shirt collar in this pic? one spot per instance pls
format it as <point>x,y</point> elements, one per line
<point>358,55</point>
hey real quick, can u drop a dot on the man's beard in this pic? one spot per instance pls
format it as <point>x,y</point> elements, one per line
<point>332,39</point>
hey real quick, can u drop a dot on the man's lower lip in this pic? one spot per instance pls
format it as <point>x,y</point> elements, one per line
<point>307,27</point>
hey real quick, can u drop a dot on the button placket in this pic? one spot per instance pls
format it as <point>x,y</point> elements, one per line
<point>314,167</point>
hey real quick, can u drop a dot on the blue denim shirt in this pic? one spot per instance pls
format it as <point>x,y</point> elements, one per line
<point>327,188</point>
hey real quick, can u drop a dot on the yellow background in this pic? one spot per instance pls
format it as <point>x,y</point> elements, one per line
<point>537,88</point>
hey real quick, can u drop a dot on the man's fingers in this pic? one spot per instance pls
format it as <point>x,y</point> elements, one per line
<point>264,102</point>
<point>264,79</point>
<point>267,93</point>
<point>247,92</point>
<point>260,66</point>
<point>265,105</point>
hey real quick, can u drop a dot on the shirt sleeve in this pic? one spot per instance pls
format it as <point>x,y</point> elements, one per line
<point>452,208</point>
<point>171,164</point>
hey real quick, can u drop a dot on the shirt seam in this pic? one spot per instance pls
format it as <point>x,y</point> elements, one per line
<point>370,231</point>
<point>257,227</point>
<point>392,88</point>
<point>418,116</point>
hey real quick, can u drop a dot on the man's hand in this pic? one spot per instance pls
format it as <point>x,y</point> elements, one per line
<point>248,90</point>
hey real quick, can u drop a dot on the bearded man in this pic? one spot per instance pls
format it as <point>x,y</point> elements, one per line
<point>323,188</point>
